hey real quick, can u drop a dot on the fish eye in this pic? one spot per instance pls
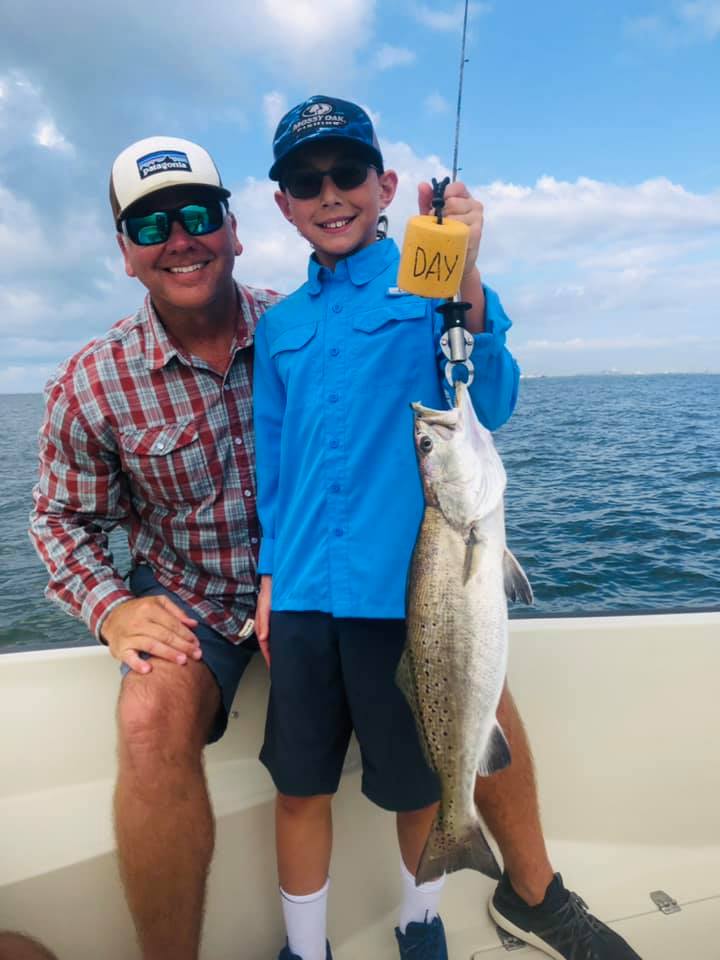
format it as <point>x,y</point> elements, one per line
<point>425,444</point>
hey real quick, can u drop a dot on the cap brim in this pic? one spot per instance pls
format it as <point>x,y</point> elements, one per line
<point>360,145</point>
<point>199,188</point>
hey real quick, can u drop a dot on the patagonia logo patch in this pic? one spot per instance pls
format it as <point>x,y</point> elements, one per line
<point>161,161</point>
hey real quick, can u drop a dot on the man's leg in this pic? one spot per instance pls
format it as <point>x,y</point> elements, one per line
<point>508,802</point>
<point>163,819</point>
<point>18,946</point>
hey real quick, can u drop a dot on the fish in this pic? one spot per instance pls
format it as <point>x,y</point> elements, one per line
<point>452,668</point>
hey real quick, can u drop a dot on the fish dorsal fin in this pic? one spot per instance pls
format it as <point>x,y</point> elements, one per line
<point>517,585</point>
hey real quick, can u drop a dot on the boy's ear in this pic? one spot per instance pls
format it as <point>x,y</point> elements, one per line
<point>388,182</point>
<point>282,201</point>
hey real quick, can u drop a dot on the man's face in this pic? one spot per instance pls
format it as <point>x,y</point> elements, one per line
<point>337,222</point>
<point>186,272</point>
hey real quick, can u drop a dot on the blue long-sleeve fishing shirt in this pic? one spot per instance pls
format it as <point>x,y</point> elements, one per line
<point>337,365</point>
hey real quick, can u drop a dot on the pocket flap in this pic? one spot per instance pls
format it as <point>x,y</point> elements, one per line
<point>394,308</point>
<point>159,441</point>
<point>291,339</point>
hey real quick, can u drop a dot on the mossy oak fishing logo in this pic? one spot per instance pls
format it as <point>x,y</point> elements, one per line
<point>161,161</point>
<point>319,115</point>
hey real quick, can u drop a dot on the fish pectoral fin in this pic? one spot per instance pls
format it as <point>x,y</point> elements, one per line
<point>473,550</point>
<point>517,585</point>
<point>496,755</point>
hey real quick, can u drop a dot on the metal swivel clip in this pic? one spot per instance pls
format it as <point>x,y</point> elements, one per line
<point>456,341</point>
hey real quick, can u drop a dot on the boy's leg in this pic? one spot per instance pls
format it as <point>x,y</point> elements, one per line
<point>306,737</point>
<point>508,802</point>
<point>164,823</point>
<point>395,774</point>
<point>304,844</point>
<point>303,835</point>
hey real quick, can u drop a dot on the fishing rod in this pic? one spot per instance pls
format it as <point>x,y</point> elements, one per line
<point>434,254</point>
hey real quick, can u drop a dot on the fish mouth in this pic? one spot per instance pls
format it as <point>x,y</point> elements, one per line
<point>445,418</point>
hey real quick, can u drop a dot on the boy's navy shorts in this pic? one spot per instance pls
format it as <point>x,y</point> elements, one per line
<point>226,661</point>
<point>332,676</point>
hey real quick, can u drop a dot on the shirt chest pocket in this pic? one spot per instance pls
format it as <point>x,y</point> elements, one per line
<point>293,351</point>
<point>167,463</point>
<point>393,340</point>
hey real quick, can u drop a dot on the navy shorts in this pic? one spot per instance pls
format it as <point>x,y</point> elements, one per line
<point>332,676</point>
<point>226,661</point>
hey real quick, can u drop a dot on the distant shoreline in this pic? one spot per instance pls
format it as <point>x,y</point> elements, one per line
<point>524,376</point>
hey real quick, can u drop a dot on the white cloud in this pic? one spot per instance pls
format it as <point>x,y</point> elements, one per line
<point>694,22</point>
<point>703,14</point>
<point>275,106</point>
<point>436,103</point>
<point>388,57</point>
<point>47,135</point>
<point>449,19</point>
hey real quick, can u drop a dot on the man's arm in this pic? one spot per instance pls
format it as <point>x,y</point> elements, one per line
<point>80,497</point>
<point>78,500</point>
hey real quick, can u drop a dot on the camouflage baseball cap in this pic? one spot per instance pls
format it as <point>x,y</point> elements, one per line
<point>323,118</point>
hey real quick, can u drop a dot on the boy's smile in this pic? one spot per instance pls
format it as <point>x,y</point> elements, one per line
<point>337,222</point>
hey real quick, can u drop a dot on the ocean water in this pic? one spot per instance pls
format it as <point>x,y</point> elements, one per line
<point>613,501</point>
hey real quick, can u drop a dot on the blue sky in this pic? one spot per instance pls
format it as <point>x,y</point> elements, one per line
<point>589,131</point>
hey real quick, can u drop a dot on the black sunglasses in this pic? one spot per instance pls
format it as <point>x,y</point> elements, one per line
<point>198,219</point>
<point>306,184</point>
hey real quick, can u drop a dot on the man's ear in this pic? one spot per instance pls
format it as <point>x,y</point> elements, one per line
<point>282,201</point>
<point>237,246</point>
<point>123,244</point>
<point>388,183</point>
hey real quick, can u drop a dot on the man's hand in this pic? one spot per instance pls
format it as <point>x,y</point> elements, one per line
<point>262,617</point>
<point>153,625</point>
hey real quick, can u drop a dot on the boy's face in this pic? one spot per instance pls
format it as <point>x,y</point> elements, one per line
<point>337,222</point>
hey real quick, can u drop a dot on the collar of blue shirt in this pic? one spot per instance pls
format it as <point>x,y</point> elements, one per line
<point>361,267</point>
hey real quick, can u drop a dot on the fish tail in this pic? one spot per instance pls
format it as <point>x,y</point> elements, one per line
<point>497,753</point>
<point>445,853</point>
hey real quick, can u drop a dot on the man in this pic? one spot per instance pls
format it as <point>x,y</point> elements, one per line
<point>150,427</point>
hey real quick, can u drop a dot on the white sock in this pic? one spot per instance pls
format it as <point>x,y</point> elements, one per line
<point>305,922</point>
<point>420,904</point>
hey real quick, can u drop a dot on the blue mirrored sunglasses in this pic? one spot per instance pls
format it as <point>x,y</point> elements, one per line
<point>197,219</point>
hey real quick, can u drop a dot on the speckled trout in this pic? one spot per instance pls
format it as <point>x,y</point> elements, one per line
<point>452,669</point>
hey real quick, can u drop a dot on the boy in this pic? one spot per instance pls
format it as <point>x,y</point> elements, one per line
<point>337,365</point>
<point>340,502</point>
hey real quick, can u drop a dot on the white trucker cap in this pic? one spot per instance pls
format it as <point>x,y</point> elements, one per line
<point>156,163</point>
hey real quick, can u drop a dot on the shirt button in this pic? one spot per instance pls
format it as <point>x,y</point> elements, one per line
<point>159,446</point>
<point>227,387</point>
<point>334,444</point>
<point>334,351</point>
<point>238,441</point>
<point>338,531</point>
<point>335,488</point>
<point>253,540</point>
<point>337,308</point>
<point>248,493</point>
<point>333,398</point>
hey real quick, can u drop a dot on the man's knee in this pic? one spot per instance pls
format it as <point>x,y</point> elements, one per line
<point>173,706</point>
<point>17,946</point>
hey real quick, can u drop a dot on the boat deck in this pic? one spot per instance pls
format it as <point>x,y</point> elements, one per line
<point>623,716</point>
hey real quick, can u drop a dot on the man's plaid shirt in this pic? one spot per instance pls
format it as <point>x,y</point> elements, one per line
<point>140,434</point>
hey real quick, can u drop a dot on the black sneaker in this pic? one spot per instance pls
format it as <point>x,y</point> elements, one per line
<point>561,926</point>
<point>286,953</point>
<point>422,941</point>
